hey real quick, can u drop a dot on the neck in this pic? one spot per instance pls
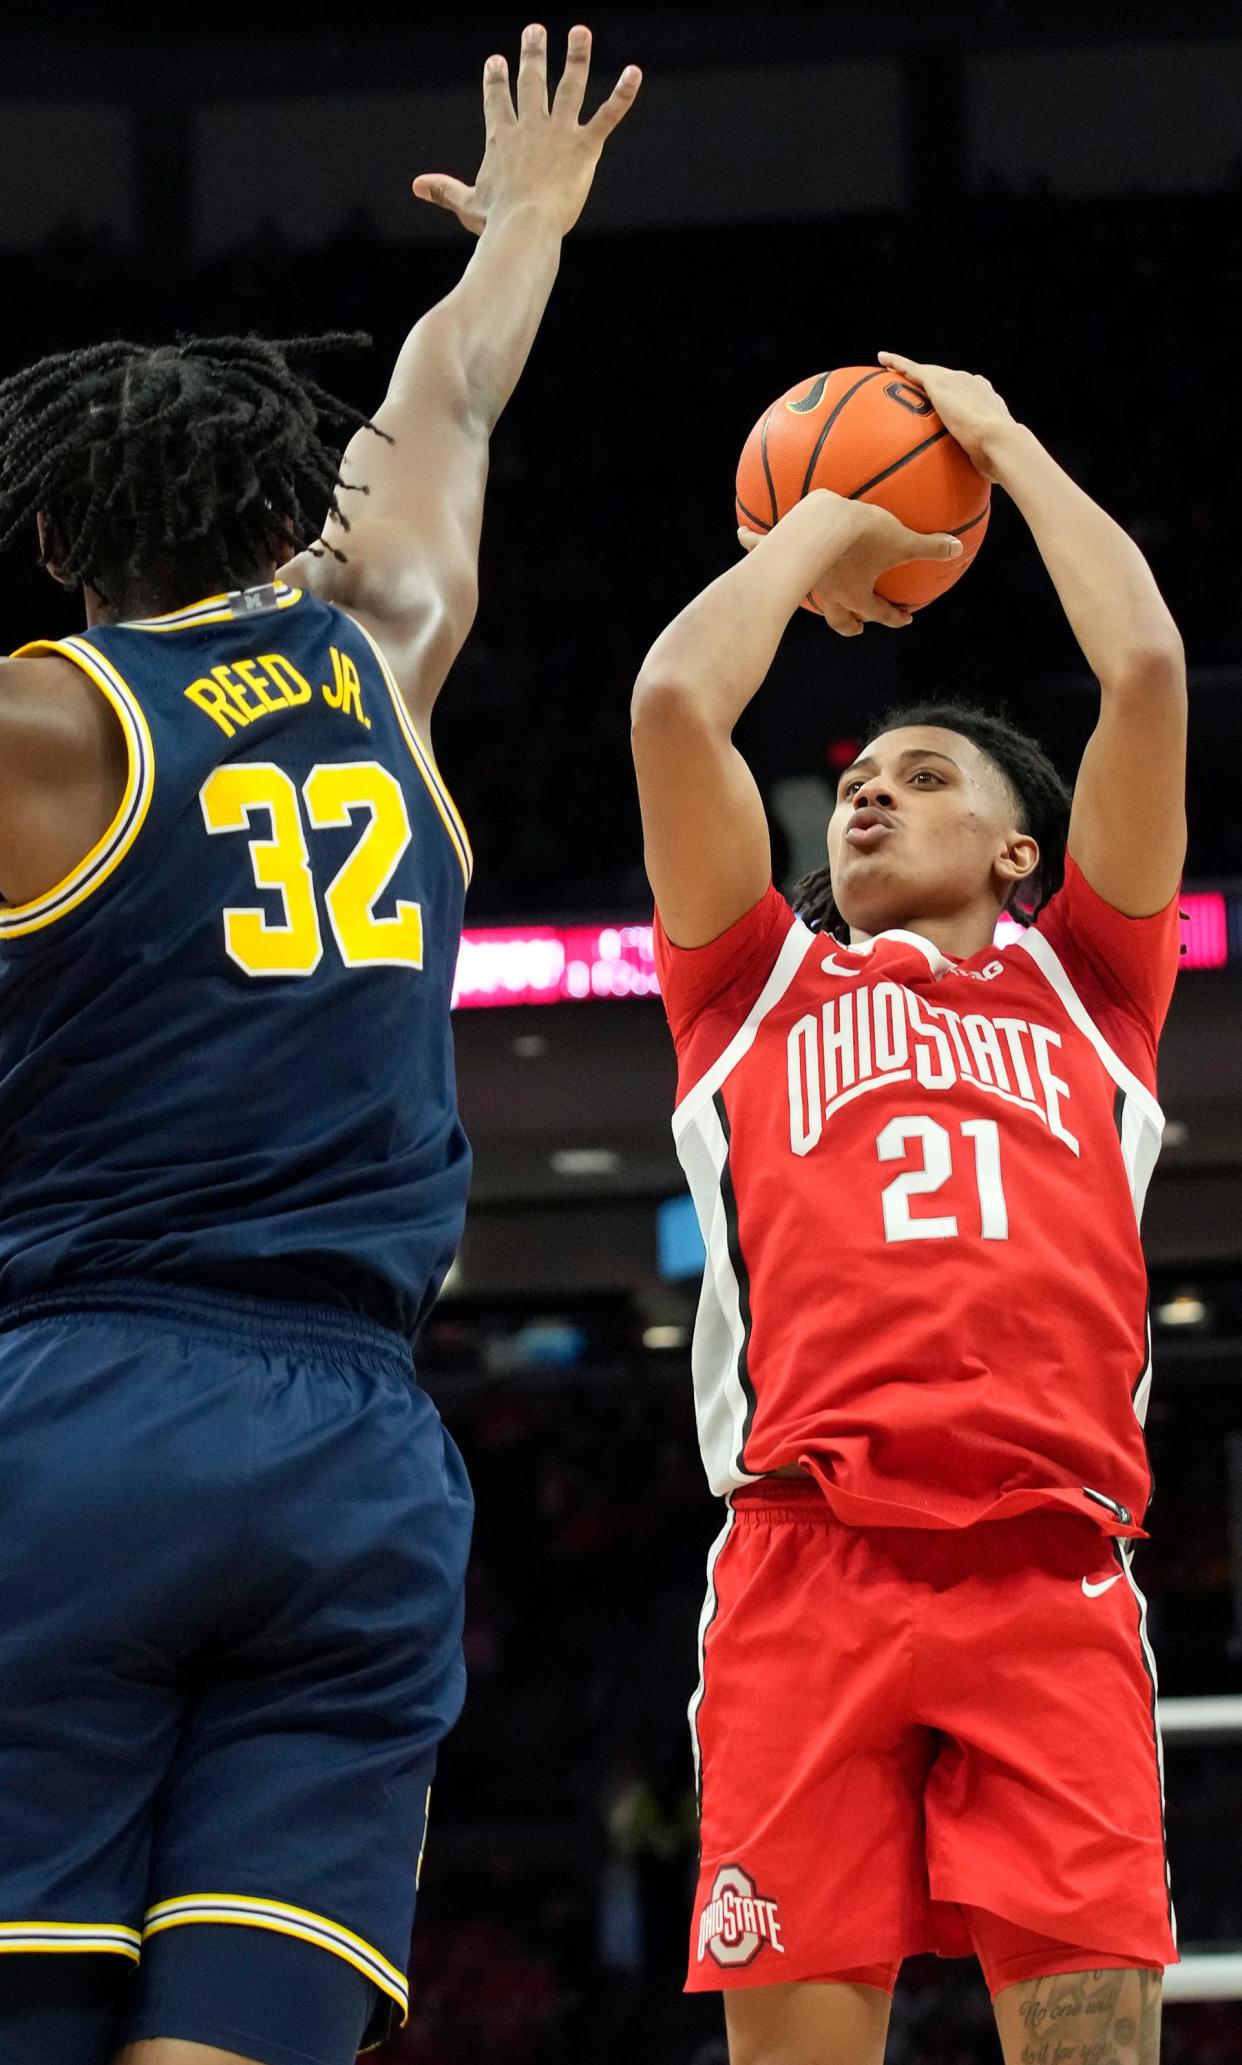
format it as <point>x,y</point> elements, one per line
<point>158,596</point>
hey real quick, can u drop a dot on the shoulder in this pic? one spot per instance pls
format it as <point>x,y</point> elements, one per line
<point>719,985</point>
<point>49,707</point>
<point>63,767</point>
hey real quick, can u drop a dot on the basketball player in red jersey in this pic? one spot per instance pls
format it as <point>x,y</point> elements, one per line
<point>926,1712</point>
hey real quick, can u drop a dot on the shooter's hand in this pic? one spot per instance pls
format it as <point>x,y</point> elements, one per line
<point>850,546</point>
<point>967,404</point>
<point>533,155</point>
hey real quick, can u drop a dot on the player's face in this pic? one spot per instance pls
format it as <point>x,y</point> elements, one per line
<point>924,827</point>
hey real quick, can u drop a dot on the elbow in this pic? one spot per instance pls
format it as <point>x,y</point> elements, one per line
<point>662,698</point>
<point>1153,666</point>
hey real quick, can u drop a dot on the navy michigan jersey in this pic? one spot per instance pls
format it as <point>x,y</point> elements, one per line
<point>225,1049</point>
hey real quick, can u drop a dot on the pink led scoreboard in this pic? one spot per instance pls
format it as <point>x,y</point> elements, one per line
<point>565,964</point>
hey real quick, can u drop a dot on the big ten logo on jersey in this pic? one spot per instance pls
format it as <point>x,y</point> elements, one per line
<point>737,1920</point>
<point>246,690</point>
<point>885,1033</point>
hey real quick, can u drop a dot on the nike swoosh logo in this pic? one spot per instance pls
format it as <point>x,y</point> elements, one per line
<point>831,966</point>
<point>1093,1591</point>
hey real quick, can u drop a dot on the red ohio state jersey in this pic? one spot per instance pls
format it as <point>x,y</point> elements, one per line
<point>919,1182</point>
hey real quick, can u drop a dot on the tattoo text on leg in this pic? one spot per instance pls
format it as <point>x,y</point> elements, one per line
<point>1087,2018</point>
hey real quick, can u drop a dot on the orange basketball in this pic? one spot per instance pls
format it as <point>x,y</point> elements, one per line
<point>868,434</point>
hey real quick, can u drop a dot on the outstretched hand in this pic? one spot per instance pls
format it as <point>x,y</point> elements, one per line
<point>535,153</point>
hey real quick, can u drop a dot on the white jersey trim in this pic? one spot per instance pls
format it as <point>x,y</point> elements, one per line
<point>795,947</point>
<point>722,1400</point>
<point>1125,1551</point>
<point>1142,1390</point>
<point>1052,968</point>
<point>706,1617</point>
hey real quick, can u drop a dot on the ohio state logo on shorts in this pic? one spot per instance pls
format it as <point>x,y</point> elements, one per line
<point>737,1920</point>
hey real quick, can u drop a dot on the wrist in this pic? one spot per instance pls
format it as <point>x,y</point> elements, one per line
<point>1005,449</point>
<point>797,551</point>
<point>537,213</point>
<point>821,524</point>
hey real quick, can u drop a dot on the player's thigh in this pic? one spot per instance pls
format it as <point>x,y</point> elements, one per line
<point>807,2024</point>
<point>1089,2018</point>
<point>171,2051</point>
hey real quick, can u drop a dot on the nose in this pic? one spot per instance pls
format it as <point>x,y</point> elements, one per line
<point>877,791</point>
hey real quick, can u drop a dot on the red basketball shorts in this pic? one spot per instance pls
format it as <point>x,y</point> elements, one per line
<point>916,1741</point>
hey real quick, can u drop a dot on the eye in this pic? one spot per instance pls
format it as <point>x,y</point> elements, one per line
<point>925,774</point>
<point>848,789</point>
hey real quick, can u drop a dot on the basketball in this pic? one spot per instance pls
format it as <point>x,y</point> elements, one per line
<point>867,434</point>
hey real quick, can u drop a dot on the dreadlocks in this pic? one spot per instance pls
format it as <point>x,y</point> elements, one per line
<point>174,470</point>
<point>1042,799</point>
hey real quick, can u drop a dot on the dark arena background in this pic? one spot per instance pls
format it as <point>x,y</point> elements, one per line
<point>1048,195</point>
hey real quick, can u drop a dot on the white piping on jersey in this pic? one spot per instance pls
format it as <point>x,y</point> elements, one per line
<point>1050,966</point>
<point>1140,1149</point>
<point>107,853</point>
<point>243,1911</point>
<point>706,1617</point>
<point>1125,1550</point>
<point>1142,1390</point>
<point>58,1938</point>
<point>721,1403</point>
<point>423,757</point>
<point>1142,1121</point>
<point>796,946</point>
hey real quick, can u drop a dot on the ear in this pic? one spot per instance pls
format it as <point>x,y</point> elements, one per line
<point>49,549</point>
<point>1018,859</point>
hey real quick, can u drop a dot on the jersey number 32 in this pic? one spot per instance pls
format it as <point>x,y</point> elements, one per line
<point>330,796</point>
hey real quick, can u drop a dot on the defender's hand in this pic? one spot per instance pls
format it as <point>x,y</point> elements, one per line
<point>967,404</point>
<point>860,542</point>
<point>533,155</point>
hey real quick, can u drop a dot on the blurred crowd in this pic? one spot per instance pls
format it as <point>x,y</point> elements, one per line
<point>1110,326</point>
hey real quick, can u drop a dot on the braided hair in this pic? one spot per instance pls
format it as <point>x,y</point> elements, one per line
<point>1041,797</point>
<point>172,470</point>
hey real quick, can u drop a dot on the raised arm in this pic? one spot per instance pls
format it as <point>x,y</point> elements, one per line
<point>1128,824</point>
<point>414,504</point>
<point>704,830</point>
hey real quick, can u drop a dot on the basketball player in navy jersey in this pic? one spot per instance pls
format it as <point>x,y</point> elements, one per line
<point>234,1531</point>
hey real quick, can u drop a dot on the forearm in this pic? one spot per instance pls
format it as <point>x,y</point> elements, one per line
<point>1105,585</point>
<point>717,654</point>
<point>486,326</point>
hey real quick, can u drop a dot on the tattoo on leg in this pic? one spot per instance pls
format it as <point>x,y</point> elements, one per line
<point>1089,2018</point>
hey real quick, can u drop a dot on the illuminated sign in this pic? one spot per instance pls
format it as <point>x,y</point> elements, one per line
<point>554,964</point>
<point>565,964</point>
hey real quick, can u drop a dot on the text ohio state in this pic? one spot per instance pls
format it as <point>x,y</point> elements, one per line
<point>884,1033</point>
<point>733,1921</point>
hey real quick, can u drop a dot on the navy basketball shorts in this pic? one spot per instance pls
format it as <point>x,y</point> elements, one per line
<point>233,1538</point>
